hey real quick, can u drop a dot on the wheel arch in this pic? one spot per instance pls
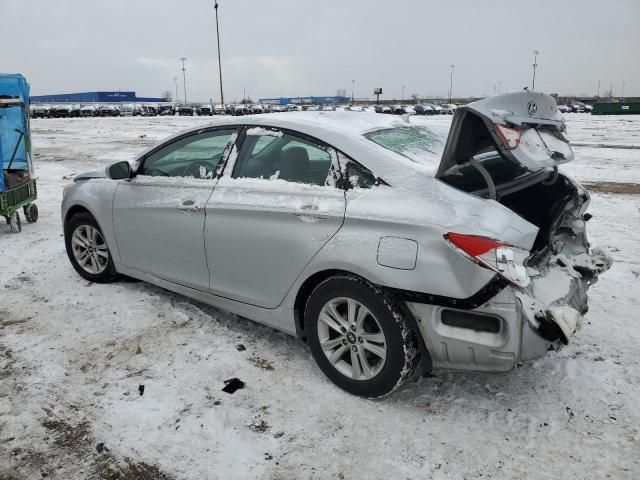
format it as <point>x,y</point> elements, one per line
<point>311,282</point>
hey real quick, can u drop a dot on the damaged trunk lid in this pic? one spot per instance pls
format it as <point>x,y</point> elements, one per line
<point>507,148</point>
<point>503,143</point>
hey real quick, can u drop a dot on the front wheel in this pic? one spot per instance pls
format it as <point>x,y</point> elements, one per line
<point>87,249</point>
<point>14,222</point>
<point>359,337</point>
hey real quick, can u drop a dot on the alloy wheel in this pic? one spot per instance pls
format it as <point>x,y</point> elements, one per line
<point>351,338</point>
<point>89,249</point>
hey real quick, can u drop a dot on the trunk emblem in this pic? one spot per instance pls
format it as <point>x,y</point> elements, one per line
<point>532,108</point>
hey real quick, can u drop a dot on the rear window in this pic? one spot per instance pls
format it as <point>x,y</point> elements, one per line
<point>418,144</point>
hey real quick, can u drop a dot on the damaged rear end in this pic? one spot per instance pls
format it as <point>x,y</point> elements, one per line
<point>507,149</point>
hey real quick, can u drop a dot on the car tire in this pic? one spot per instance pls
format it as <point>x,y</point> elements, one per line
<point>370,352</point>
<point>83,235</point>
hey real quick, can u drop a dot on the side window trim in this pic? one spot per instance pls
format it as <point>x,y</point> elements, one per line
<point>141,161</point>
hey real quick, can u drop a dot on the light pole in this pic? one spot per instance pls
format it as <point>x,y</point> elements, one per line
<point>622,92</point>
<point>499,87</point>
<point>175,80</point>
<point>353,88</point>
<point>215,6</point>
<point>402,92</point>
<point>184,78</point>
<point>451,82</point>
<point>535,65</point>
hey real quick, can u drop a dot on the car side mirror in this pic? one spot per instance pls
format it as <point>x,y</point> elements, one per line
<point>119,170</point>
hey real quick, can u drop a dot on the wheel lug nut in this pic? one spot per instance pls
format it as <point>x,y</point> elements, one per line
<point>344,341</point>
<point>354,348</point>
<point>353,328</point>
<point>344,330</point>
<point>361,340</point>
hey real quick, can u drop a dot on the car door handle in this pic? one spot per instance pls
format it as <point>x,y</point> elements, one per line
<point>310,211</point>
<point>188,206</point>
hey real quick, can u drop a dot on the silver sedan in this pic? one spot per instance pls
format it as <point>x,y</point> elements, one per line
<point>392,245</point>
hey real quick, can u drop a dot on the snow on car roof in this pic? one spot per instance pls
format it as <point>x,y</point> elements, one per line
<point>345,131</point>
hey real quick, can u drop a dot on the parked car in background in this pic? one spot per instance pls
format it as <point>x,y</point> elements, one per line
<point>88,111</point>
<point>204,110</point>
<point>218,109</point>
<point>126,110</point>
<point>450,108</point>
<point>277,108</point>
<point>577,107</point>
<point>256,109</point>
<point>185,110</point>
<point>399,249</point>
<point>75,110</point>
<point>38,111</point>
<point>354,108</point>
<point>564,108</point>
<point>108,111</point>
<point>588,108</point>
<point>166,110</point>
<point>61,111</point>
<point>422,109</point>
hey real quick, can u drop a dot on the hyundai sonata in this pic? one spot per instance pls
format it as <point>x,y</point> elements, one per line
<point>392,245</point>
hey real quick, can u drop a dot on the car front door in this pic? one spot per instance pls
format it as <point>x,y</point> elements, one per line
<point>159,214</point>
<point>270,213</point>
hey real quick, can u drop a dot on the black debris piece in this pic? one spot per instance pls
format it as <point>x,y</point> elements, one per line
<point>232,385</point>
<point>101,447</point>
<point>240,347</point>
<point>141,389</point>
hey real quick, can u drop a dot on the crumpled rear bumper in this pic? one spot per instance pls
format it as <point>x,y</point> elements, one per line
<point>527,322</point>
<point>556,300</point>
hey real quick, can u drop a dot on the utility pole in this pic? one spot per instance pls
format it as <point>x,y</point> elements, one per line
<point>598,94</point>
<point>451,82</point>
<point>215,6</point>
<point>535,65</point>
<point>353,88</point>
<point>175,80</point>
<point>402,92</point>
<point>622,93</point>
<point>184,78</point>
<point>499,86</point>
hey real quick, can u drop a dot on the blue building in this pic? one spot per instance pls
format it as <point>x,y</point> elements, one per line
<point>94,97</point>
<point>304,100</point>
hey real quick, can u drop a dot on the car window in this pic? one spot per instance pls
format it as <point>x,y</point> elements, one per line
<point>356,175</point>
<point>195,156</point>
<point>273,154</point>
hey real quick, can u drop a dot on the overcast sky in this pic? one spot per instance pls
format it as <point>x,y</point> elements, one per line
<point>303,47</point>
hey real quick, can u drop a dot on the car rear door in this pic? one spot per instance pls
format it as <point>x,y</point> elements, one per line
<point>271,212</point>
<point>159,215</point>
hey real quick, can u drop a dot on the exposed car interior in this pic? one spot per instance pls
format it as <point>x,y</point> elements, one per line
<point>284,157</point>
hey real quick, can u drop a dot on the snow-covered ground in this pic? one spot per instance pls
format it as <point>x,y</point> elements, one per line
<point>73,356</point>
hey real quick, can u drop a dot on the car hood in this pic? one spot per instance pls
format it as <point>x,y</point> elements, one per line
<point>90,175</point>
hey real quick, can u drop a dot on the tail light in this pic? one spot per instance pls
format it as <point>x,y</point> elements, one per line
<point>510,136</point>
<point>502,258</point>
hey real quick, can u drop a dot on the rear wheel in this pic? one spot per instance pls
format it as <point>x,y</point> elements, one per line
<point>31,212</point>
<point>87,249</point>
<point>359,336</point>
